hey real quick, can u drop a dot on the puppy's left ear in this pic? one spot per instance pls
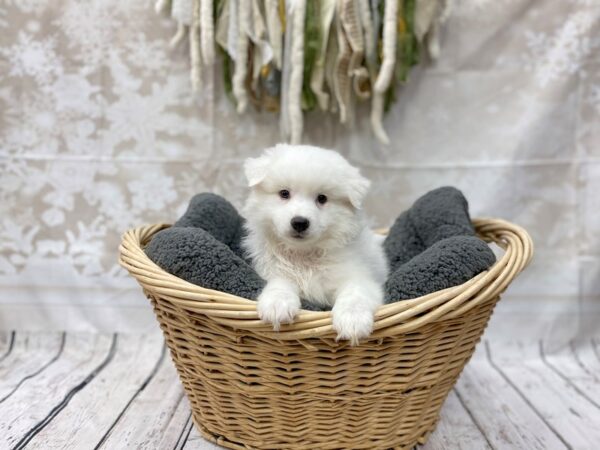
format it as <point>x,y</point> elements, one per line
<point>357,187</point>
<point>256,169</point>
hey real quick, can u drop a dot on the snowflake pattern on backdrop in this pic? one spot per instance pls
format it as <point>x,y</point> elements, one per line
<point>100,132</point>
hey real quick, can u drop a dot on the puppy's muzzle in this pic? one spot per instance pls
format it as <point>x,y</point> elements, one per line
<point>300,224</point>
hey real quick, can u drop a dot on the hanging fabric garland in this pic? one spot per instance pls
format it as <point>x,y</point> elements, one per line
<point>293,56</point>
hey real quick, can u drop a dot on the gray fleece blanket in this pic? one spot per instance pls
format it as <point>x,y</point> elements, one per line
<point>431,246</point>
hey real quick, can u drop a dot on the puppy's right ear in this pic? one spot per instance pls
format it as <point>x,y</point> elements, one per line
<point>256,169</point>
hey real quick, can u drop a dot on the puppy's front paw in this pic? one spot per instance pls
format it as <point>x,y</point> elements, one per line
<point>352,323</point>
<point>277,307</point>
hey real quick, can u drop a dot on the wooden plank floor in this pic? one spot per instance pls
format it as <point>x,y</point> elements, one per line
<point>80,391</point>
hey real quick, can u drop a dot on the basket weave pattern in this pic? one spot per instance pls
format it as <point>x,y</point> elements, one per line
<point>251,387</point>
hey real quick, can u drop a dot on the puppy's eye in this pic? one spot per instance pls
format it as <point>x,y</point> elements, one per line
<point>284,193</point>
<point>321,199</point>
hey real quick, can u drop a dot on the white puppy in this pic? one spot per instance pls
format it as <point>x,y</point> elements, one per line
<point>307,237</point>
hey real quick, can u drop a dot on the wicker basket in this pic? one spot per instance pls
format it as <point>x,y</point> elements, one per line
<point>251,387</point>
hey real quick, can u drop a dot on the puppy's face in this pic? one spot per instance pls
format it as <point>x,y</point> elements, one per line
<point>304,197</point>
<point>299,215</point>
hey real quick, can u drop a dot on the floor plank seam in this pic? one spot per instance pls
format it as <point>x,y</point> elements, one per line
<point>140,389</point>
<point>65,401</point>
<point>595,347</point>
<point>470,414</point>
<point>10,346</point>
<point>523,396</point>
<point>185,433</point>
<point>581,363</point>
<point>40,370</point>
<point>563,376</point>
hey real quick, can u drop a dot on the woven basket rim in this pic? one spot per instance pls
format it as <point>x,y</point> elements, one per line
<point>402,316</point>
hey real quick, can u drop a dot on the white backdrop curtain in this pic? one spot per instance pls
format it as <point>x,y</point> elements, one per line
<point>100,132</point>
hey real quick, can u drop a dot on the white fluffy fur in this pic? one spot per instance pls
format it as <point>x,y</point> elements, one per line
<point>338,261</point>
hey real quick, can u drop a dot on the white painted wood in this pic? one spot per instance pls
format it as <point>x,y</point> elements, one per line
<point>572,416</point>
<point>178,429</point>
<point>89,415</point>
<point>32,353</point>
<point>585,352</point>
<point>455,429</point>
<point>186,434</point>
<point>505,418</point>
<point>28,346</point>
<point>596,346</point>
<point>5,344</point>
<point>195,441</point>
<point>36,397</point>
<point>157,416</point>
<point>565,362</point>
<point>516,399</point>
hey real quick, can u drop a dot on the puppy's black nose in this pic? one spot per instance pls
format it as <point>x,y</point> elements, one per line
<point>300,224</point>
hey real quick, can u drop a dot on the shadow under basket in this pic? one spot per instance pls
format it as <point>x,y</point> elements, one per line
<point>251,387</point>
